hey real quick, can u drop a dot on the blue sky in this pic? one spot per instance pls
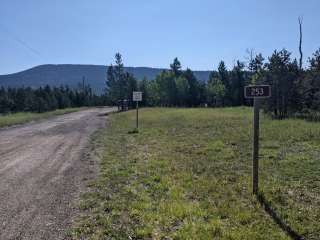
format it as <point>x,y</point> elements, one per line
<point>151,32</point>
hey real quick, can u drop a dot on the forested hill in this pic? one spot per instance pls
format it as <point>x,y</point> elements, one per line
<point>72,75</point>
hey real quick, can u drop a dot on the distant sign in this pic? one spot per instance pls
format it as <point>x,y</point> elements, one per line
<point>137,96</point>
<point>257,91</point>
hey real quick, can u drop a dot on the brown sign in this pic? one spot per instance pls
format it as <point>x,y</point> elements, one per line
<point>257,91</point>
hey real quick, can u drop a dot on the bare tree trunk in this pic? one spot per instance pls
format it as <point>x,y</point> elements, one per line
<point>300,42</point>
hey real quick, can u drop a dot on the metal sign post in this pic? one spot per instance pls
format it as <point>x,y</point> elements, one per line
<point>137,115</point>
<point>256,92</point>
<point>137,97</point>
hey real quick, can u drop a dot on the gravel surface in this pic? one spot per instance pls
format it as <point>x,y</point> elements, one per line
<point>43,168</point>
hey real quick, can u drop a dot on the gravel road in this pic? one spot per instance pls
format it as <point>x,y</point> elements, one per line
<point>43,167</point>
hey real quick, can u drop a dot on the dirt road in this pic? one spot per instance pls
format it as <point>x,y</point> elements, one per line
<point>43,166</point>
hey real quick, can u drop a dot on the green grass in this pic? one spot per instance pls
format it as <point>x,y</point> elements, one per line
<point>23,117</point>
<point>187,175</point>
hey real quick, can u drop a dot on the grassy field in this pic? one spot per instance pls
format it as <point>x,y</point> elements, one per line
<point>23,117</point>
<point>187,175</point>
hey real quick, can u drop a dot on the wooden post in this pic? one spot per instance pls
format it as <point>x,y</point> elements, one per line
<point>255,153</point>
<point>256,92</point>
<point>137,116</point>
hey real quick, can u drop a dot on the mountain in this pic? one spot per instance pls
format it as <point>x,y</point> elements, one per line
<point>72,75</point>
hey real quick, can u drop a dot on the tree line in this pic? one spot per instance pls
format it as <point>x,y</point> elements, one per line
<point>295,90</point>
<point>27,99</point>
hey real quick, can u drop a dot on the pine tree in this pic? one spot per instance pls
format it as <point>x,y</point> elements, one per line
<point>176,67</point>
<point>193,95</point>
<point>237,84</point>
<point>143,87</point>
<point>223,76</point>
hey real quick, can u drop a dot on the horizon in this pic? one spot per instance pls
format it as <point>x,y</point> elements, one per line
<point>101,65</point>
<point>149,34</point>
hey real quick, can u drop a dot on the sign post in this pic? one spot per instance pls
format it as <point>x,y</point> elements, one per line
<point>137,97</point>
<point>255,151</point>
<point>256,92</point>
<point>137,115</point>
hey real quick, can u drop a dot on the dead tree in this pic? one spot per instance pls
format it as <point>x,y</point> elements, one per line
<point>300,19</point>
